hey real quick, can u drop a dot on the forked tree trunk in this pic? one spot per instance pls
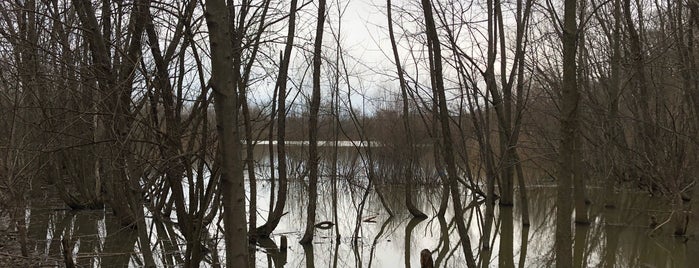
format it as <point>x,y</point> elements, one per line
<point>275,215</point>
<point>114,89</point>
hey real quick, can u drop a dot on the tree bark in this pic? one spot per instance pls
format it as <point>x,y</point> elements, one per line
<point>568,131</point>
<point>437,75</point>
<point>613,133</point>
<point>313,129</point>
<point>406,121</point>
<point>226,108</point>
<point>276,214</point>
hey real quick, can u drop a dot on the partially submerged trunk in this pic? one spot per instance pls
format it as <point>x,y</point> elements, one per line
<point>276,214</point>
<point>567,151</point>
<point>408,168</point>
<point>437,75</point>
<point>313,129</point>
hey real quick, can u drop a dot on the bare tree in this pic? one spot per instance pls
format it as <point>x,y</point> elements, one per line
<point>569,134</point>
<point>437,75</point>
<point>408,169</point>
<point>226,107</point>
<point>276,214</point>
<point>313,129</point>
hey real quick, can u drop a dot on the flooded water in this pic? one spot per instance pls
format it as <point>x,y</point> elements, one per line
<point>369,237</point>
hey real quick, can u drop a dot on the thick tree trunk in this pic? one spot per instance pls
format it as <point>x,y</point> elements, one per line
<point>114,87</point>
<point>613,133</point>
<point>226,107</point>
<point>569,129</point>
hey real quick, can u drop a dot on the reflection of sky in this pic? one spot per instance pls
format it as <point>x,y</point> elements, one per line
<point>390,247</point>
<point>620,233</point>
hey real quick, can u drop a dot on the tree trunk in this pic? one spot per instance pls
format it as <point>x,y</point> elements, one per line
<point>613,133</point>
<point>313,129</point>
<point>568,131</point>
<point>276,215</point>
<point>226,108</point>
<point>242,89</point>
<point>408,170</point>
<point>523,195</point>
<point>579,191</point>
<point>436,72</point>
<point>486,148</point>
<point>114,87</point>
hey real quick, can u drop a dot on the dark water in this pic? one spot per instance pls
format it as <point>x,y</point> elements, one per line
<point>618,237</point>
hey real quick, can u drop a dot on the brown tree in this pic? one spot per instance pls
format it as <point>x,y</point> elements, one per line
<point>437,75</point>
<point>569,134</point>
<point>277,212</point>
<point>411,152</point>
<point>313,129</point>
<point>226,107</point>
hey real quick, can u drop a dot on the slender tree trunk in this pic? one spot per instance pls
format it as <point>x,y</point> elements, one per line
<point>406,121</point>
<point>523,14</point>
<point>276,215</point>
<point>436,139</point>
<point>693,232</point>
<point>250,162</point>
<point>226,107</point>
<point>243,89</point>
<point>313,129</point>
<point>436,72</point>
<point>335,108</point>
<point>579,191</point>
<point>569,129</point>
<point>693,227</point>
<point>487,149</point>
<point>408,237</point>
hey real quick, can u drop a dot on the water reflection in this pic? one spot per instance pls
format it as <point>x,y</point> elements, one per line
<point>366,236</point>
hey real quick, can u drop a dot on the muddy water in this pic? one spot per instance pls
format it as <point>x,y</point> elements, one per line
<point>368,237</point>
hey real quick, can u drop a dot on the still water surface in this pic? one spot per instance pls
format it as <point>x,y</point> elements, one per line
<point>618,237</point>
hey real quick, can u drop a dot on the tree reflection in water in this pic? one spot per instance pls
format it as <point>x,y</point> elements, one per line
<point>617,237</point>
